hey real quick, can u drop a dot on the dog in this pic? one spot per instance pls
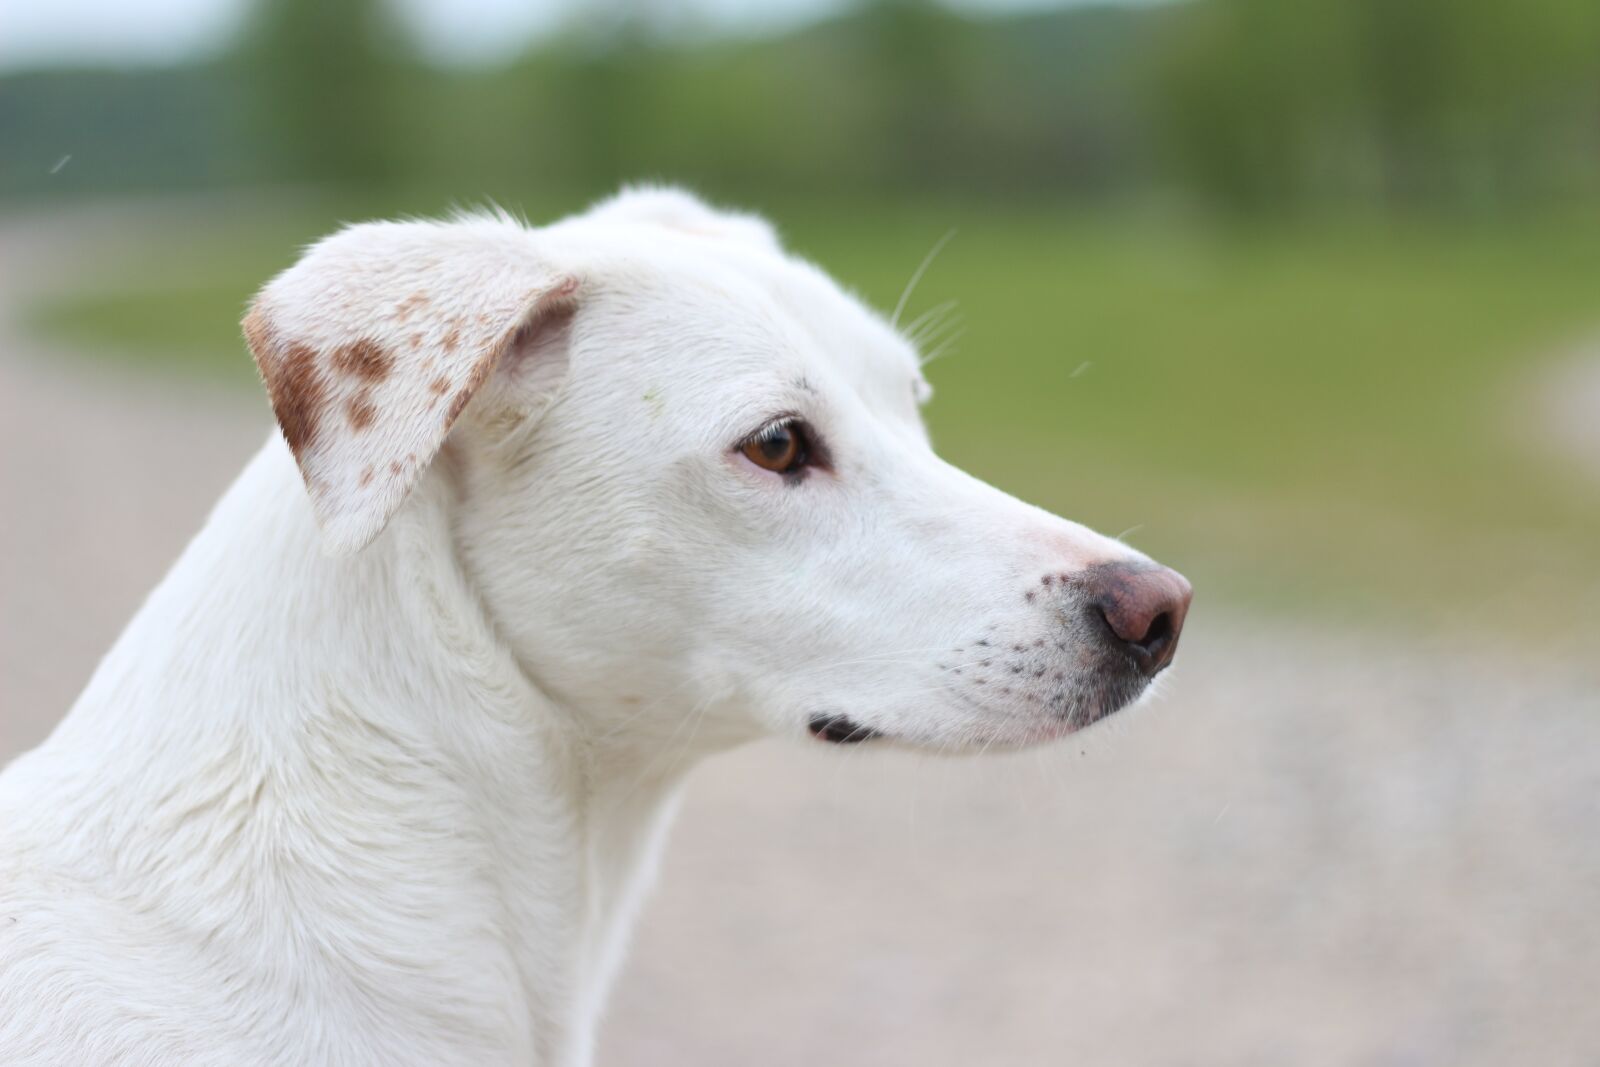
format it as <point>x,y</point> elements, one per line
<point>380,770</point>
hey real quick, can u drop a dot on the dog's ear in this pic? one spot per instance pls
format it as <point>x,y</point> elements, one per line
<point>373,343</point>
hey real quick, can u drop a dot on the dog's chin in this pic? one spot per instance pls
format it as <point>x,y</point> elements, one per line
<point>1105,700</point>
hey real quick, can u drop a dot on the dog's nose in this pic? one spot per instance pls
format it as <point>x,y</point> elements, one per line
<point>1143,606</point>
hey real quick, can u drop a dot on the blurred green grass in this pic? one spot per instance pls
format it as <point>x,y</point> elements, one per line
<point>1320,415</point>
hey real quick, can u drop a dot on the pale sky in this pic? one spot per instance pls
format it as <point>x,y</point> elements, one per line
<point>35,33</point>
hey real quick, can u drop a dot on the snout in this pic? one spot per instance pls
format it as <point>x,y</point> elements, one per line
<point>1139,608</point>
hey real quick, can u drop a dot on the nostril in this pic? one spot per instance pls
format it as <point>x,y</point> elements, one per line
<point>1145,636</point>
<point>1155,638</point>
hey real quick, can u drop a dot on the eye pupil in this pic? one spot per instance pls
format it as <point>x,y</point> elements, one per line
<point>778,448</point>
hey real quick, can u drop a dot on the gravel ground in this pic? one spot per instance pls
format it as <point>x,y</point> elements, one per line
<point>1316,848</point>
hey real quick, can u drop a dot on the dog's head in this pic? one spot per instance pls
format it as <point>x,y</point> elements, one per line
<point>690,474</point>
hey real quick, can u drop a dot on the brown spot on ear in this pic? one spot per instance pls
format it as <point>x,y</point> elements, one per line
<point>395,468</point>
<point>366,476</point>
<point>452,340</point>
<point>360,412</point>
<point>456,404</point>
<point>414,302</point>
<point>440,386</point>
<point>365,359</point>
<point>416,341</point>
<point>298,393</point>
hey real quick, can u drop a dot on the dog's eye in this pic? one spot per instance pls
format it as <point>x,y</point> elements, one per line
<point>782,447</point>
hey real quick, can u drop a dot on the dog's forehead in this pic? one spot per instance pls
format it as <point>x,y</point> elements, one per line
<point>852,340</point>
<point>745,302</point>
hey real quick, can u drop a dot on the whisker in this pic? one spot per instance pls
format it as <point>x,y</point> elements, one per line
<point>905,655</point>
<point>916,276</point>
<point>928,349</point>
<point>665,750</point>
<point>944,307</point>
<point>936,333</point>
<point>929,321</point>
<point>944,349</point>
<point>938,329</point>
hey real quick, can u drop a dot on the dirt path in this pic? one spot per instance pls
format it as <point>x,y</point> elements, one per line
<point>1318,848</point>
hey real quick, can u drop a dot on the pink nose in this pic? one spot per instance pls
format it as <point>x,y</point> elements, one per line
<point>1143,605</point>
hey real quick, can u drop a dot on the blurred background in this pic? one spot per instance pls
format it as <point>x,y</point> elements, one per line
<point>1299,296</point>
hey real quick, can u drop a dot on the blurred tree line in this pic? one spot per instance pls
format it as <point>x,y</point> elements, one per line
<point>1248,104</point>
<point>1397,102</point>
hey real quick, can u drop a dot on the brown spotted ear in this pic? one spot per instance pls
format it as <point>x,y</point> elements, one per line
<point>374,342</point>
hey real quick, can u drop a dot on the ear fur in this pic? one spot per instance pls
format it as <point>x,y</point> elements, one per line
<point>373,343</point>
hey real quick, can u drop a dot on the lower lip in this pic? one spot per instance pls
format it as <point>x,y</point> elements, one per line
<point>838,730</point>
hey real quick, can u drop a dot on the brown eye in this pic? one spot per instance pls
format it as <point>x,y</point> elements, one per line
<point>780,448</point>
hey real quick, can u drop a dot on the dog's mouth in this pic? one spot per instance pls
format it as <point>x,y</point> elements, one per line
<point>840,730</point>
<point>1114,687</point>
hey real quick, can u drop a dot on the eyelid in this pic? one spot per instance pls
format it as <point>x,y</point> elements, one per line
<point>770,427</point>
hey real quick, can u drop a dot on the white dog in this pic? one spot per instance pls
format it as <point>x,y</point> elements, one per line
<point>378,780</point>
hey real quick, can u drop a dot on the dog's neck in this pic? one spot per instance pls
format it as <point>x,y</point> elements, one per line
<point>353,732</point>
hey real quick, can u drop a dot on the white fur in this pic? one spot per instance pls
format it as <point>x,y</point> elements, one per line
<point>397,805</point>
